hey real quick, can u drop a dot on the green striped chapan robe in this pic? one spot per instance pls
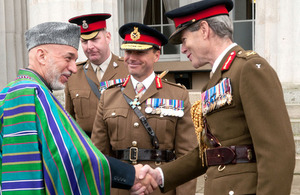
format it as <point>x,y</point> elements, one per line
<point>43,150</point>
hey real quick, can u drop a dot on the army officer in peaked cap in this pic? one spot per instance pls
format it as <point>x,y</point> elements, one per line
<point>101,69</point>
<point>247,144</point>
<point>162,106</point>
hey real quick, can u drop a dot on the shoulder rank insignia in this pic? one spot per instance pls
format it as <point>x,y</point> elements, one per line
<point>229,60</point>
<point>249,53</point>
<point>246,54</point>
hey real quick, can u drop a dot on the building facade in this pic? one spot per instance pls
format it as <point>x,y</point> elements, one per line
<point>270,27</point>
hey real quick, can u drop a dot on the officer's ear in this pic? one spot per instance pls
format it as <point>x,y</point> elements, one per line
<point>204,29</point>
<point>156,54</point>
<point>108,36</point>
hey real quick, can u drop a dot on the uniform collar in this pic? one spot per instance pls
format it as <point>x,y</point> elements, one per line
<point>221,56</point>
<point>147,82</point>
<point>104,65</point>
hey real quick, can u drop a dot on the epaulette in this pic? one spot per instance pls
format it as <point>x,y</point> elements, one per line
<point>246,54</point>
<point>174,84</point>
<point>80,63</point>
<point>121,58</point>
<point>114,85</point>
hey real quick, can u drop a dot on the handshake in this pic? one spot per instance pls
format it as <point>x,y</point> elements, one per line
<point>146,181</point>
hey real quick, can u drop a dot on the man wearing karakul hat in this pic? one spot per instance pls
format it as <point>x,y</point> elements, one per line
<point>43,150</point>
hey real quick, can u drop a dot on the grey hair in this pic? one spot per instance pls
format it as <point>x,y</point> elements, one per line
<point>221,25</point>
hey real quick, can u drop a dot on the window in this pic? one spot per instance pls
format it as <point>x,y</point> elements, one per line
<point>152,13</point>
<point>243,16</point>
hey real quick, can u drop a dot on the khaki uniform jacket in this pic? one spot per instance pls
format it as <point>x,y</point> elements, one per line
<point>257,116</point>
<point>80,100</point>
<point>114,127</point>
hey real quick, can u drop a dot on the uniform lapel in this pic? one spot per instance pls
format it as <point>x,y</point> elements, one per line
<point>111,70</point>
<point>152,90</point>
<point>217,76</point>
<point>129,90</point>
<point>91,74</point>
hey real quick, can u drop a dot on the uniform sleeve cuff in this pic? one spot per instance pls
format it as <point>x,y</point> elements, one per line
<point>162,177</point>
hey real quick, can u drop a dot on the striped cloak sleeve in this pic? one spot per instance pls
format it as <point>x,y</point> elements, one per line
<point>43,150</point>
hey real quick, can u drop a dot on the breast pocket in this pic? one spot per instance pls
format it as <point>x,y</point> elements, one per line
<point>164,127</point>
<point>116,120</point>
<point>81,102</point>
<point>222,108</point>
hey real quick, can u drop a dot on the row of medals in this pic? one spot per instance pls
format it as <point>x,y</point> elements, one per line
<point>164,111</point>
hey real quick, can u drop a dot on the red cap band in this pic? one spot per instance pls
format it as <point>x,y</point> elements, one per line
<point>94,26</point>
<point>216,10</point>
<point>144,38</point>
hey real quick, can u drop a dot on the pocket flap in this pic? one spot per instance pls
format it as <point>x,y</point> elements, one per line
<point>111,113</point>
<point>80,94</point>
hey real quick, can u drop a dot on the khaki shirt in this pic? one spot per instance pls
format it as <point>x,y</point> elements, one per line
<point>258,116</point>
<point>117,126</point>
<point>80,100</point>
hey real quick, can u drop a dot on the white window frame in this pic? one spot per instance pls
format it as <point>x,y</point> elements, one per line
<point>180,56</point>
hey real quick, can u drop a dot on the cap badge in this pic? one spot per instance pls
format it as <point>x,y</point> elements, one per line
<point>135,34</point>
<point>85,25</point>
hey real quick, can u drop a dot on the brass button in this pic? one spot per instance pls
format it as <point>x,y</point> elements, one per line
<point>249,154</point>
<point>113,114</point>
<point>136,124</point>
<point>134,143</point>
<point>231,192</point>
<point>77,94</point>
<point>205,177</point>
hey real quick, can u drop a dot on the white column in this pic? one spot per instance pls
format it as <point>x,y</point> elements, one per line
<point>277,37</point>
<point>12,48</point>
<point>62,10</point>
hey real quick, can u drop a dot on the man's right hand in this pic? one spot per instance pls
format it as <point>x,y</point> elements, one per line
<point>144,183</point>
<point>146,175</point>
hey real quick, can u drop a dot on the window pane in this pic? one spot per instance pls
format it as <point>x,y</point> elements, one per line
<point>243,10</point>
<point>170,48</point>
<point>133,11</point>
<point>243,34</point>
<point>152,13</point>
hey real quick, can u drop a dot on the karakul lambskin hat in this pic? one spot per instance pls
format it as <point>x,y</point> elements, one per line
<point>53,33</point>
